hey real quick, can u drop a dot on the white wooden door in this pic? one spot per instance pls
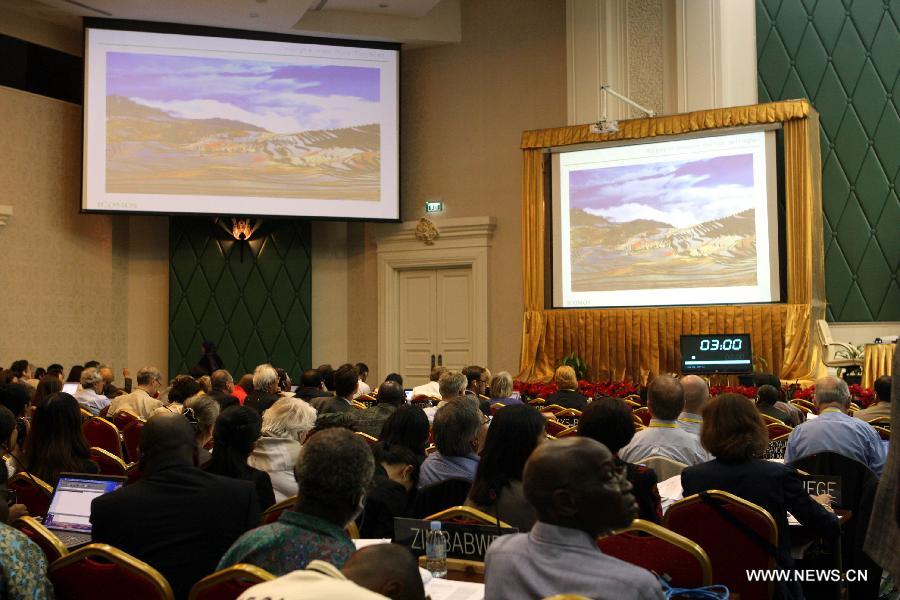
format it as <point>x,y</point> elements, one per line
<point>435,321</point>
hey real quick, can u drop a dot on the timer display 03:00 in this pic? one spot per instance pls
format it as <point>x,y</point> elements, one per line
<point>715,344</point>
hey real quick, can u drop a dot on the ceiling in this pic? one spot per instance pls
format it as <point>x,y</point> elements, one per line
<point>411,21</point>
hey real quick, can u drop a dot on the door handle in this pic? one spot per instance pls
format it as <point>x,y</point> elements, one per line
<point>432,361</point>
<point>440,360</point>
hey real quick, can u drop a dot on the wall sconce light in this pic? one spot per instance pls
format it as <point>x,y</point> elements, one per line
<point>241,229</point>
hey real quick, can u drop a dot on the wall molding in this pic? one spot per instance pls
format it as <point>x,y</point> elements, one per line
<point>463,242</point>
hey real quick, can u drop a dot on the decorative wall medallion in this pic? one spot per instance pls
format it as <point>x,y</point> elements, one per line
<point>427,231</point>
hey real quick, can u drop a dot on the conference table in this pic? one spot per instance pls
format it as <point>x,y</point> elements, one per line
<point>877,361</point>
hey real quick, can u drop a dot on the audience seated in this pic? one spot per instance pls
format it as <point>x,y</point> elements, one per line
<point>665,398</point>
<point>311,386</point>
<point>735,434</point>
<point>362,369</point>
<point>796,415</point>
<point>23,566</point>
<point>578,493</point>
<point>236,432</point>
<point>265,389</point>
<point>476,380</point>
<point>110,390</point>
<point>396,378</point>
<point>201,412</point>
<point>177,518</point>
<point>766,397</point>
<point>696,395</point>
<point>222,389</point>
<point>180,389</point>
<point>882,405</point>
<point>430,389</point>
<point>332,473</point>
<point>142,401</point>
<point>90,396</point>
<point>457,425</point>
<point>379,571</point>
<point>75,374</point>
<point>326,375</point>
<point>502,390</point>
<point>47,385</point>
<point>608,420</point>
<point>346,381</point>
<point>284,427</point>
<point>55,442</point>
<point>497,490</point>
<point>56,369</point>
<point>9,441</point>
<point>391,492</point>
<point>371,420</point>
<point>567,394</point>
<point>407,427</point>
<point>835,431</point>
<point>15,397</point>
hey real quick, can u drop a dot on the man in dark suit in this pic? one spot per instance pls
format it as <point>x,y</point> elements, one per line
<point>177,518</point>
<point>311,386</point>
<point>371,420</point>
<point>346,380</point>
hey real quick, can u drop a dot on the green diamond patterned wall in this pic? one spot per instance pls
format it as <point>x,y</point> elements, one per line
<point>252,298</point>
<point>845,58</point>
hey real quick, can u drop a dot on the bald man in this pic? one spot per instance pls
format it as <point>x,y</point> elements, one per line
<point>696,395</point>
<point>578,493</point>
<point>664,437</point>
<point>836,431</point>
<point>177,518</point>
<point>375,572</point>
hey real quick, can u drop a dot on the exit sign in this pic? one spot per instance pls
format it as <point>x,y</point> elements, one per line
<point>434,206</point>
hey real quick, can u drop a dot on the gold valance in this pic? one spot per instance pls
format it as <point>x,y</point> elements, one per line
<point>636,343</point>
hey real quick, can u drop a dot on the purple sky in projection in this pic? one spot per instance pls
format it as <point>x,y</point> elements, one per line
<point>292,96</point>
<point>679,193</point>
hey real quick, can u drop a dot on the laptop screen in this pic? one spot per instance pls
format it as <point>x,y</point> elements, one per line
<point>70,508</point>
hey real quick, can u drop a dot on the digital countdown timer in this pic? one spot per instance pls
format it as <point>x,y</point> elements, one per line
<point>716,353</point>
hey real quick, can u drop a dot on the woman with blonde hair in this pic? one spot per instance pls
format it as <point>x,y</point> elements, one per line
<point>567,394</point>
<point>502,390</point>
<point>284,427</point>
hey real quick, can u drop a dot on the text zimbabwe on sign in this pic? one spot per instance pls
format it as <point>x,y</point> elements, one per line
<point>468,542</point>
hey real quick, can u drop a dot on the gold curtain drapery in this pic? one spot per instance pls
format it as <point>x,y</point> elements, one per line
<point>877,361</point>
<point>636,343</point>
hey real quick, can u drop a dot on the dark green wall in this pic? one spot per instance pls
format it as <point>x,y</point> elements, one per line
<point>845,58</point>
<point>252,298</point>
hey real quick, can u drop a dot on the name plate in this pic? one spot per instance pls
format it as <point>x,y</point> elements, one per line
<point>823,484</point>
<point>775,449</point>
<point>468,542</point>
<point>571,421</point>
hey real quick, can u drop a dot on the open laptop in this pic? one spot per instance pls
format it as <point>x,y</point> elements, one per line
<point>70,388</point>
<point>69,515</point>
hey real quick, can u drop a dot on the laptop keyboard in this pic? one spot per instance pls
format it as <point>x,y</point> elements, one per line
<point>72,539</point>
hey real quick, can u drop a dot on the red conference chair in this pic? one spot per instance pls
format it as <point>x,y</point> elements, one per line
<point>731,552</point>
<point>100,433</point>
<point>537,402</point>
<point>554,427</point>
<point>552,408</point>
<point>776,430</point>
<point>52,547</point>
<point>271,514</point>
<point>642,413</point>
<point>31,491</point>
<point>229,583</point>
<point>132,437</point>
<point>109,463</point>
<point>123,418</point>
<point>569,432</point>
<point>370,440</point>
<point>101,572</point>
<point>679,560</point>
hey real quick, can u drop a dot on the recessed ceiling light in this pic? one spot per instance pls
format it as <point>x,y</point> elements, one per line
<point>254,15</point>
<point>384,6</point>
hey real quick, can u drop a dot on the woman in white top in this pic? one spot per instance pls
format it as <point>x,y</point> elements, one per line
<point>284,427</point>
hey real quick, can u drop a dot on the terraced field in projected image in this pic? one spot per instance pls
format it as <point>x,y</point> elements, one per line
<point>193,125</point>
<point>684,224</point>
<point>152,152</point>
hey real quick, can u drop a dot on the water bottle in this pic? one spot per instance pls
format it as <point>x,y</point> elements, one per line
<point>436,542</point>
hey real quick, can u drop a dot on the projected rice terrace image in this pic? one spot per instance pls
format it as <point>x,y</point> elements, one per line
<point>679,223</point>
<point>219,127</point>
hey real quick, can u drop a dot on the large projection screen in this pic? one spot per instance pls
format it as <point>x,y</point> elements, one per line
<point>666,223</point>
<point>216,123</point>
